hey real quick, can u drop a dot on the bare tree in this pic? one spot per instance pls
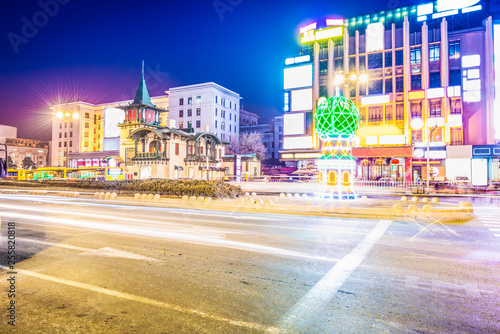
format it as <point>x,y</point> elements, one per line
<point>252,142</point>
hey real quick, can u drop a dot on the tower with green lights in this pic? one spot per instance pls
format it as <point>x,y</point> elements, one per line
<point>336,120</point>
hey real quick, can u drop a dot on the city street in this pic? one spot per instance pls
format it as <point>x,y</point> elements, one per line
<point>89,266</point>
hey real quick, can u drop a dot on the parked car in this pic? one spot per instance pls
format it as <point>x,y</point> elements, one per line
<point>461,181</point>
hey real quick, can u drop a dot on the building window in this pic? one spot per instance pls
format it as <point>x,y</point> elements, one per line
<point>455,78</point>
<point>400,112</point>
<point>388,112</point>
<point>86,134</point>
<point>456,136</point>
<point>190,100</point>
<point>86,144</point>
<point>416,109</point>
<point>198,124</point>
<point>375,114</point>
<point>455,107</point>
<point>375,60</point>
<point>86,125</point>
<point>190,125</point>
<point>190,112</point>
<point>399,85</point>
<point>181,113</point>
<point>352,64</point>
<point>454,49</point>
<point>416,81</point>
<point>216,124</point>
<point>71,134</point>
<point>435,108</point>
<point>198,111</point>
<point>60,135</point>
<point>388,85</point>
<point>176,148</point>
<point>181,125</point>
<point>70,124</point>
<point>416,136</point>
<point>388,59</point>
<point>215,111</point>
<point>415,56</point>
<point>436,135</point>
<point>376,86</point>
<point>362,114</point>
<point>198,99</point>
<point>434,52</point>
<point>434,80</point>
<point>399,57</point>
<point>223,101</point>
<point>223,113</point>
<point>87,115</point>
<point>215,98</point>
<point>60,144</point>
<point>181,101</point>
<point>60,125</point>
<point>229,127</point>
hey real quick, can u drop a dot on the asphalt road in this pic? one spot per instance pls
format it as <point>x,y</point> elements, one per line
<point>86,266</point>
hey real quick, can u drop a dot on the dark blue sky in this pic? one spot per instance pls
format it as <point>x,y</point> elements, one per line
<point>92,50</point>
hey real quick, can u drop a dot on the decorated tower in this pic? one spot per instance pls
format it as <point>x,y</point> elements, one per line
<point>336,120</point>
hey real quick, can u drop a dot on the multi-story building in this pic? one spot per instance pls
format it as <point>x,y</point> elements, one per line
<point>248,118</point>
<point>91,134</point>
<point>430,64</point>
<point>19,148</point>
<point>272,136</point>
<point>206,107</point>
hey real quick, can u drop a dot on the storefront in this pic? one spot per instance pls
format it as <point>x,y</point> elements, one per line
<point>383,162</point>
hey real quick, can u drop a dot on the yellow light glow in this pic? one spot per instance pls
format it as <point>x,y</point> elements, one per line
<point>75,115</point>
<point>307,155</point>
<point>287,156</point>
<point>339,79</point>
<point>66,114</point>
<point>363,78</point>
<point>59,115</point>
<point>353,77</point>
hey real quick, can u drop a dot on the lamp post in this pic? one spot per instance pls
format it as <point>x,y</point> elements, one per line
<point>66,117</point>
<point>417,124</point>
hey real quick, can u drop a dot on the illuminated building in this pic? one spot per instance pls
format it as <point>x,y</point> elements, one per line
<point>19,148</point>
<point>93,135</point>
<point>433,61</point>
<point>206,107</point>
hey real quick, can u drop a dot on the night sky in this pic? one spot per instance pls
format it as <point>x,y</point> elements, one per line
<point>92,50</point>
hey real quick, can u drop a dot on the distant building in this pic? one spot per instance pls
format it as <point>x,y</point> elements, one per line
<point>206,107</point>
<point>19,148</point>
<point>272,136</point>
<point>248,118</point>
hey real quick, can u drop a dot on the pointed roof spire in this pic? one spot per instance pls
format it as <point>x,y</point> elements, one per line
<point>142,95</point>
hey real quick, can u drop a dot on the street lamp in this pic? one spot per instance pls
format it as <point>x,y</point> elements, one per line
<point>417,124</point>
<point>66,117</point>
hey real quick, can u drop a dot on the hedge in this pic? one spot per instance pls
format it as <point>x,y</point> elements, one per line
<point>216,189</point>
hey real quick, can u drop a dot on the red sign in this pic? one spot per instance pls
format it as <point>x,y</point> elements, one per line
<point>394,161</point>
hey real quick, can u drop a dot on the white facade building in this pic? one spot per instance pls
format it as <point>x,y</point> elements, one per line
<point>206,107</point>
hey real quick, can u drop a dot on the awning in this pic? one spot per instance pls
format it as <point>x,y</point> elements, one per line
<point>382,152</point>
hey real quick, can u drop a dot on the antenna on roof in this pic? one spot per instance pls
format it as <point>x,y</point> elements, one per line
<point>143,68</point>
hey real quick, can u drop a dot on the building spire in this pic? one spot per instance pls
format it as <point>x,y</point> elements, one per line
<point>142,95</point>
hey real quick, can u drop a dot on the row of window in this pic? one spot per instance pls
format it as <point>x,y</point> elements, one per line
<point>190,100</point>
<point>456,136</point>
<point>223,126</point>
<point>223,103</point>
<point>190,112</point>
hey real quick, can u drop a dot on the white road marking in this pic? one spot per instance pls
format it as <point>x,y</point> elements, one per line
<point>147,301</point>
<point>105,251</point>
<point>302,316</point>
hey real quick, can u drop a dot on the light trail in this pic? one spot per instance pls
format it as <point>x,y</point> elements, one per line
<point>174,236</point>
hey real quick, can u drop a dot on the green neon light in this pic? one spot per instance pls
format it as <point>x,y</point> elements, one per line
<point>337,116</point>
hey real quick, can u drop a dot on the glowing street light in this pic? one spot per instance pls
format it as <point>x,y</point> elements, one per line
<point>66,117</point>
<point>363,78</point>
<point>417,124</point>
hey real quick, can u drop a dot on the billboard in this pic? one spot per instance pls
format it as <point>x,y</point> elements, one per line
<point>293,124</point>
<point>302,99</point>
<point>298,77</point>
<point>113,117</point>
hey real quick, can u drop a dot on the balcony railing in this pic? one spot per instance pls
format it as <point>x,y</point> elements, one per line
<point>150,155</point>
